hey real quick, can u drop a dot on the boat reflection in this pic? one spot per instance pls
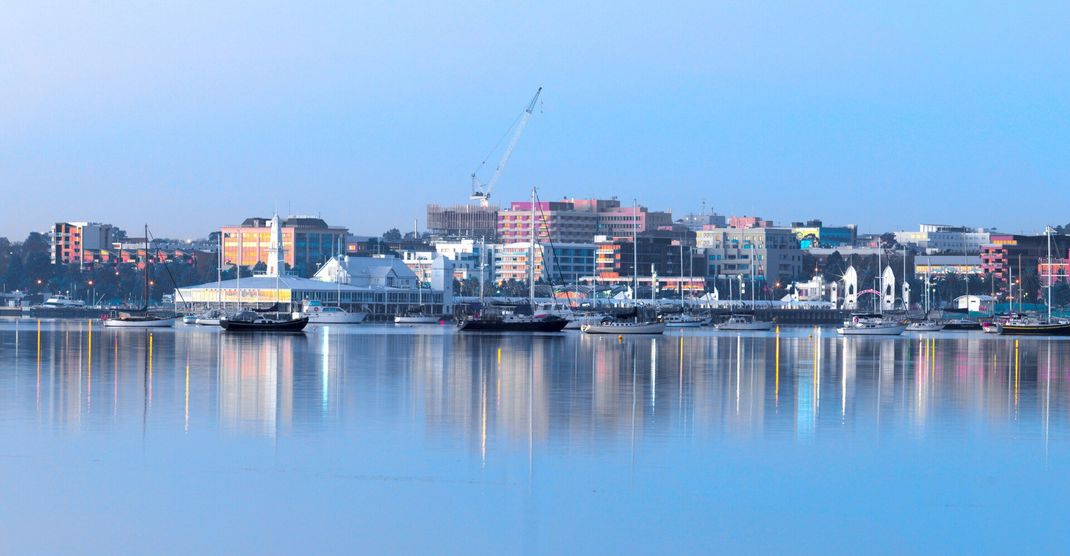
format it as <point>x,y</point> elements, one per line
<point>506,393</point>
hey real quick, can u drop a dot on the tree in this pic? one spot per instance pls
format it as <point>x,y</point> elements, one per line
<point>392,235</point>
<point>888,241</point>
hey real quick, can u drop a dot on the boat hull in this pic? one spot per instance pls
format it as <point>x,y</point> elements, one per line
<point>538,325</point>
<point>207,322</point>
<point>892,330</point>
<point>744,326</point>
<point>423,319</point>
<point>293,325</point>
<point>1060,329</point>
<point>624,328</point>
<point>140,323</point>
<point>341,318</point>
<point>689,323</point>
<point>962,326</point>
<point>925,327</point>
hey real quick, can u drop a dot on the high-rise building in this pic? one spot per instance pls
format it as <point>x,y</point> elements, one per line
<point>307,243</point>
<point>463,221</point>
<point>75,242</point>
<point>577,220</point>
<point>563,263</point>
<point>765,253</point>
<point>1019,255</point>
<point>557,221</point>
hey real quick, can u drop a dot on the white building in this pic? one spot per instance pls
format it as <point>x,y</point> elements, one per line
<point>939,238</point>
<point>466,254</point>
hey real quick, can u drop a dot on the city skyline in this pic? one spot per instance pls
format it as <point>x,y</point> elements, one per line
<point>357,114</point>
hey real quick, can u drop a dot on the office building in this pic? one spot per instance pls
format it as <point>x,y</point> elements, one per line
<point>307,243</point>
<point>766,253</point>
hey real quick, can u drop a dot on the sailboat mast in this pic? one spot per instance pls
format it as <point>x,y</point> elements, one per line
<point>531,255</point>
<point>146,266</point>
<point>219,275</point>
<point>1047,233</point>
<point>635,251</point>
<point>482,271</point>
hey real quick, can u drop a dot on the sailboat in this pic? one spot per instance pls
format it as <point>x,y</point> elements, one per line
<point>141,318</point>
<point>746,321</point>
<point>871,324</point>
<point>684,319</point>
<point>1036,326</point>
<point>253,321</point>
<point>637,326</point>
<point>926,325</point>
<point>492,319</point>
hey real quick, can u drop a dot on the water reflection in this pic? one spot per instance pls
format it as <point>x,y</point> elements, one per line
<point>507,393</point>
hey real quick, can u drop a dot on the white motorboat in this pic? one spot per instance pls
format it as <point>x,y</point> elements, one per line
<point>617,327</point>
<point>870,325</point>
<point>189,319</point>
<point>318,313</point>
<point>682,320</point>
<point>62,302</point>
<point>209,318</point>
<point>744,322</point>
<point>925,326</point>
<point>419,319</point>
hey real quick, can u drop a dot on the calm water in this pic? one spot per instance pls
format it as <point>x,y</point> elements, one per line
<point>423,440</point>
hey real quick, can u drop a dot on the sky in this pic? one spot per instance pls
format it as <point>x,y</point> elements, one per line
<point>189,116</point>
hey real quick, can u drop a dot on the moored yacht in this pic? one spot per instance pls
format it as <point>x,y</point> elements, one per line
<point>744,322</point>
<point>318,313</point>
<point>209,318</point>
<point>925,326</point>
<point>624,327</point>
<point>684,320</point>
<point>63,302</point>
<point>870,325</point>
<point>250,321</point>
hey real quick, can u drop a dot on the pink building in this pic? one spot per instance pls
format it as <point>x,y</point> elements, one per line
<point>747,222</point>
<point>576,221</point>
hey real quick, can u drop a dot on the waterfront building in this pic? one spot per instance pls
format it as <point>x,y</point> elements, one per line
<point>76,242</point>
<point>463,222</point>
<point>381,286</point>
<point>813,233</point>
<point>659,251</point>
<point>308,242</point>
<point>419,260</point>
<point>1017,254</point>
<point>560,263</point>
<point>934,239</point>
<point>942,265</point>
<point>762,252</point>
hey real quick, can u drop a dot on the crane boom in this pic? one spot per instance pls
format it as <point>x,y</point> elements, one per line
<point>482,191</point>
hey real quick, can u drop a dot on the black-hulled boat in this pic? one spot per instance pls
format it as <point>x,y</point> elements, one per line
<point>1035,327</point>
<point>248,321</point>
<point>962,324</point>
<point>514,323</point>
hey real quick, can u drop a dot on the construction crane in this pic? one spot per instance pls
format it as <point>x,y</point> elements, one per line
<point>482,191</point>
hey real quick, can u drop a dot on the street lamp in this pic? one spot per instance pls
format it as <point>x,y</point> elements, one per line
<point>91,296</point>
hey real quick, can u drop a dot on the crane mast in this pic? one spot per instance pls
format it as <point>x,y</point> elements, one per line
<point>482,191</point>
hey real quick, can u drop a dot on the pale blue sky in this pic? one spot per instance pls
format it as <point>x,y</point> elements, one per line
<point>194,116</point>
